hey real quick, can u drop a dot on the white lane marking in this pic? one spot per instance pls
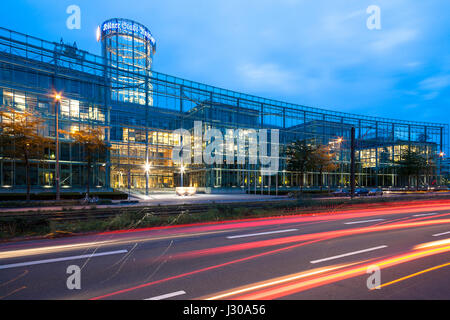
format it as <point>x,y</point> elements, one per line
<point>167,295</point>
<point>30,263</point>
<point>424,214</point>
<point>348,254</point>
<point>261,233</point>
<point>364,221</point>
<point>440,234</point>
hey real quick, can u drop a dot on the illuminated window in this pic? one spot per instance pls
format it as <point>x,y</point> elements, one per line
<point>19,101</point>
<point>65,108</point>
<point>74,108</point>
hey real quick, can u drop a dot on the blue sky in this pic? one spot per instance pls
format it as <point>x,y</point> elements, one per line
<point>312,52</point>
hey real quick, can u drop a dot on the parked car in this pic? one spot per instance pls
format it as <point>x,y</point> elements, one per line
<point>361,192</point>
<point>440,188</point>
<point>341,193</point>
<point>375,192</point>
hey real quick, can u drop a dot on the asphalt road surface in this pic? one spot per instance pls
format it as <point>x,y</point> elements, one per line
<point>400,251</point>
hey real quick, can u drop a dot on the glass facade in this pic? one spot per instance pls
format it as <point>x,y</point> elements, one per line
<point>128,48</point>
<point>138,109</point>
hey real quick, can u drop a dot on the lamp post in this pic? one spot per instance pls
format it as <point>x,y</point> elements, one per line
<point>339,178</point>
<point>182,171</point>
<point>441,157</point>
<point>147,168</point>
<point>57,178</point>
<point>352,163</point>
<point>181,164</point>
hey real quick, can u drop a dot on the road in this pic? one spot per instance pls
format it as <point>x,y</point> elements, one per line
<point>395,252</point>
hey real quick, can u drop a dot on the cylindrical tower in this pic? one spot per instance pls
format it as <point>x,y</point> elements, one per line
<point>128,48</point>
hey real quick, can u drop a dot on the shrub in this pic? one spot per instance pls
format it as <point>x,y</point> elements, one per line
<point>13,226</point>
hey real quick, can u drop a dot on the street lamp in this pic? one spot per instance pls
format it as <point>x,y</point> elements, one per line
<point>335,142</point>
<point>57,102</point>
<point>182,171</point>
<point>181,164</point>
<point>147,168</point>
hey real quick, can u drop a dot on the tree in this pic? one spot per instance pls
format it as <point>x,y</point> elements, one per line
<point>20,139</point>
<point>92,143</point>
<point>412,163</point>
<point>430,170</point>
<point>300,156</point>
<point>323,161</point>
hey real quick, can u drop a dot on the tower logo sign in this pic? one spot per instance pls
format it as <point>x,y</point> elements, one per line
<point>127,27</point>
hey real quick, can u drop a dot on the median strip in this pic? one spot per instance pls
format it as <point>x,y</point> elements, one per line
<point>348,254</point>
<point>30,263</point>
<point>260,233</point>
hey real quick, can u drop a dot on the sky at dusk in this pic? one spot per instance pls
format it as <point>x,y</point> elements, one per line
<point>316,53</point>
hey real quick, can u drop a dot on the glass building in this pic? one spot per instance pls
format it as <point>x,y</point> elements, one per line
<point>138,110</point>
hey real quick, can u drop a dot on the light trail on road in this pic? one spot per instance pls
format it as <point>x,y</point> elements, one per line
<point>301,240</point>
<point>314,278</point>
<point>415,274</point>
<point>306,237</point>
<point>322,227</point>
